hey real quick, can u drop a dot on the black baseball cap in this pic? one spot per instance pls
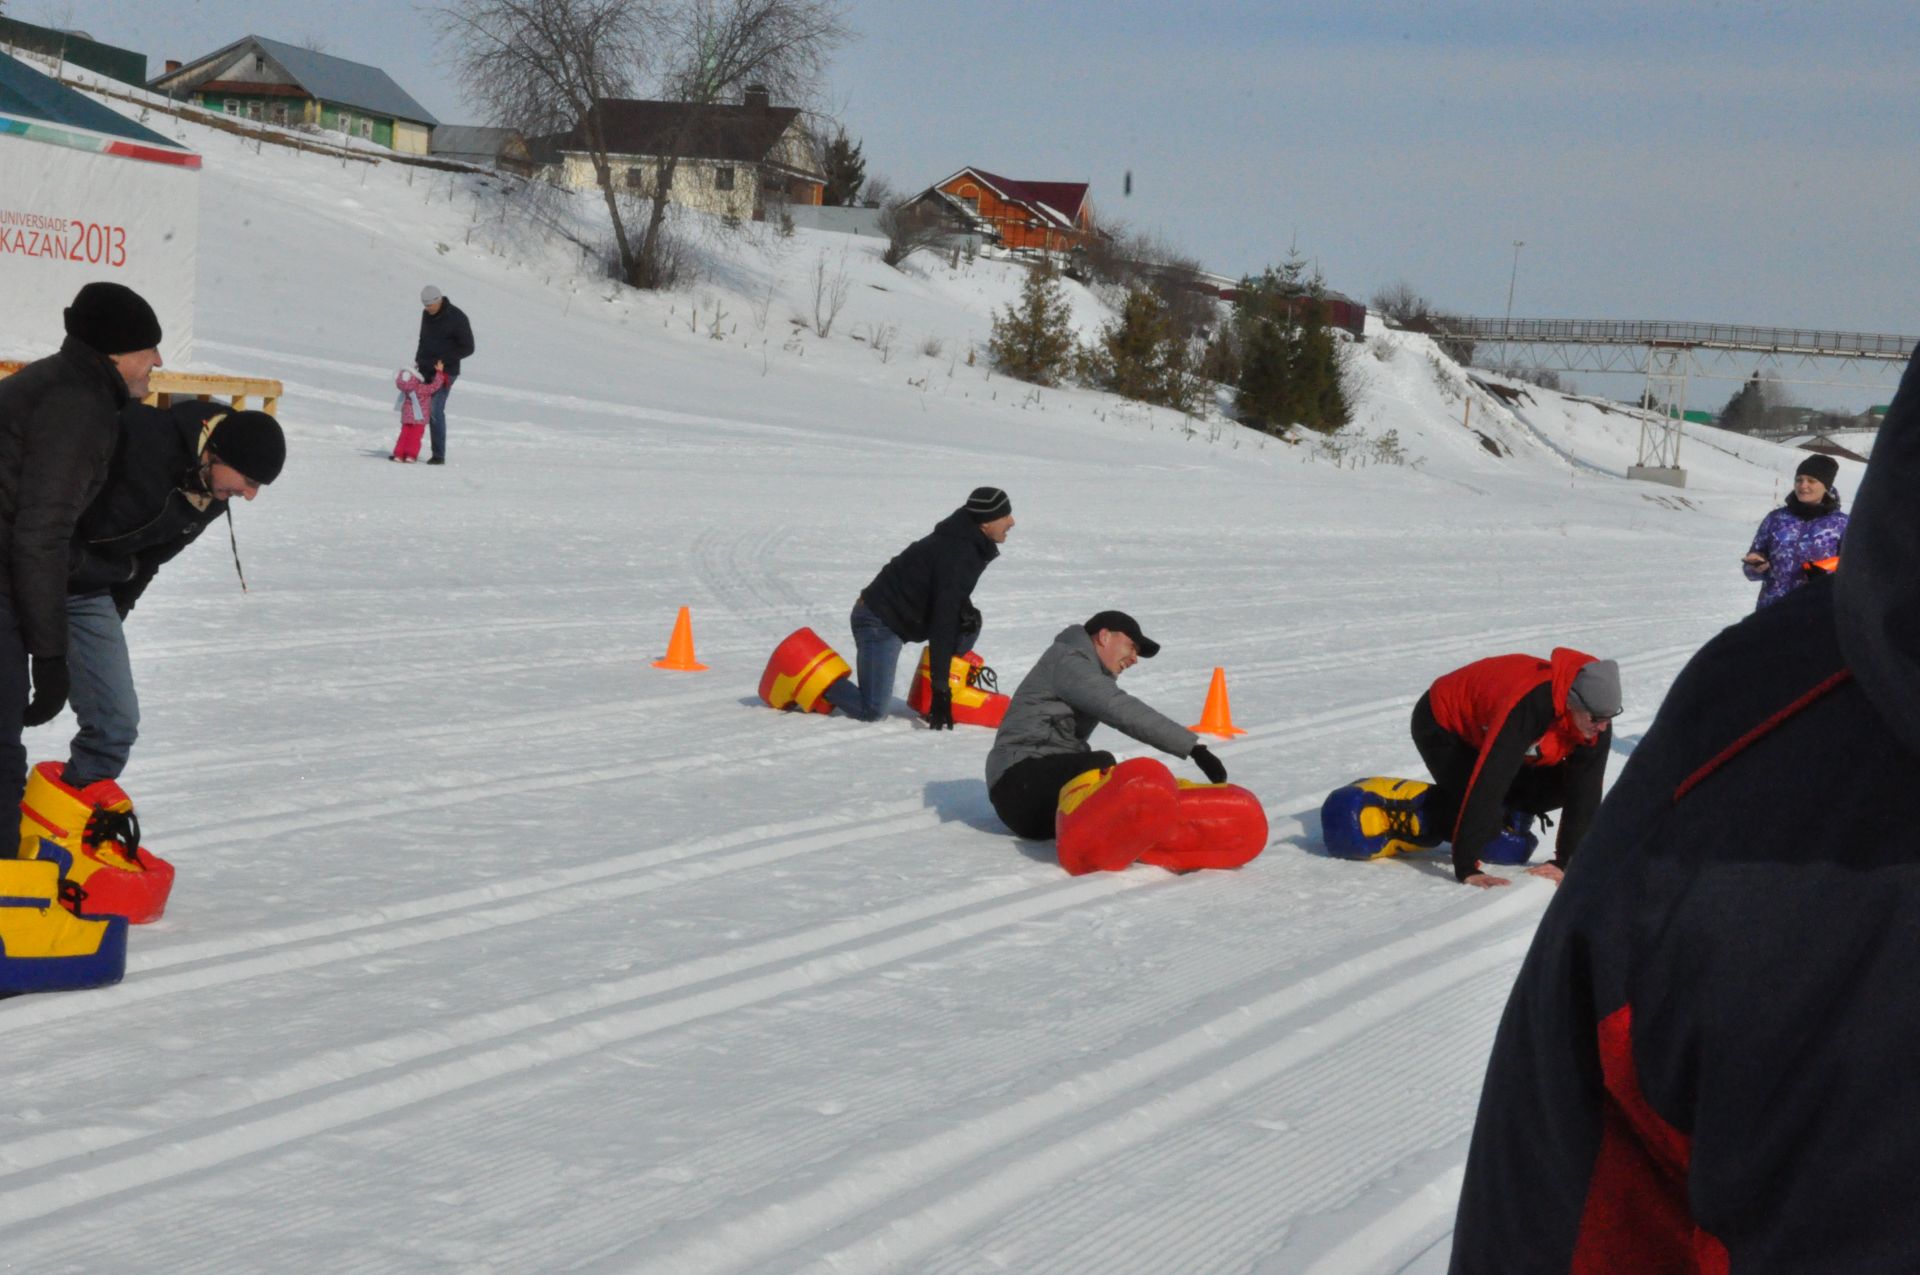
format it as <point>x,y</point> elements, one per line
<point>1121,622</point>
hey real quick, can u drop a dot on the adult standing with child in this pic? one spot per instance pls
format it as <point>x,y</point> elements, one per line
<point>445,338</point>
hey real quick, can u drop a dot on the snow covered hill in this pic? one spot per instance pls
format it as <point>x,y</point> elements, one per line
<point>495,949</point>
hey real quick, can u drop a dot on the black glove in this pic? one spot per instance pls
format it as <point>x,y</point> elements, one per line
<point>1209,765</point>
<point>49,690</point>
<point>940,711</point>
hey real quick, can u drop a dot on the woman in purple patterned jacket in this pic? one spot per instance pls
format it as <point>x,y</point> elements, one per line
<point>1806,529</point>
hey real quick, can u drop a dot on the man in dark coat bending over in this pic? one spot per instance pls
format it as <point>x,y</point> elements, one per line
<point>1706,1063</point>
<point>925,594</point>
<point>173,474</point>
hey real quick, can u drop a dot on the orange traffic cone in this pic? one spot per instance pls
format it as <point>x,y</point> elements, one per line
<point>680,647</point>
<point>1217,718</point>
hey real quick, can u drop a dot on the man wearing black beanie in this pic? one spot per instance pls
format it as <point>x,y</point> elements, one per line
<point>174,473</point>
<point>58,424</point>
<point>925,594</point>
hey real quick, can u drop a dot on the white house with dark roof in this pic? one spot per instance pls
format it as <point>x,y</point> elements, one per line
<point>277,83</point>
<point>728,159</point>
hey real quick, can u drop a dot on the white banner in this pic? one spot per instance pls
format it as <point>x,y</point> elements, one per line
<point>69,217</point>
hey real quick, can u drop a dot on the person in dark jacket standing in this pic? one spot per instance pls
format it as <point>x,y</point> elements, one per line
<point>1703,1064</point>
<point>1806,530</point>
<point>58,425</point>
<point>1513,737</point>
<point>1042,742</point>
<point>173,473</point>
<point>445,338</point>
<point>925,594</point>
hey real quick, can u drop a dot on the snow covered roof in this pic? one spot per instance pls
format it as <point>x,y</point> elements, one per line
<point>328,78</point>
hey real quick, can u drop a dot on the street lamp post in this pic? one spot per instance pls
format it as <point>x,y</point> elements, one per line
<point>1506,328</point>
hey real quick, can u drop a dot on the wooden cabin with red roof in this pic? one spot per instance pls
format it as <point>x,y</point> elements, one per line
<point>1049,216</point>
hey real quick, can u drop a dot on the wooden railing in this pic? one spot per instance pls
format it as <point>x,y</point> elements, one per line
<point>168,385</point>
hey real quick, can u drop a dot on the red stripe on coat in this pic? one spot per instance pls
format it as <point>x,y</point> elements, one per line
<point>1754,736</point>
<point>1637,1217</point>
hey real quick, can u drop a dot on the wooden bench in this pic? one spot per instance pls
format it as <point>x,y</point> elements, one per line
<point>167,385</point>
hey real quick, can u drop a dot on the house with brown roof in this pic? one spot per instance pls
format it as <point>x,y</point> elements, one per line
<point>1050,216</point>
<point>734,160</point>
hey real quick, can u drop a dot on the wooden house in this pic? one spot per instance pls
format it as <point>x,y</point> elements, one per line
<point>1048,216</point>
<point>260,79</point>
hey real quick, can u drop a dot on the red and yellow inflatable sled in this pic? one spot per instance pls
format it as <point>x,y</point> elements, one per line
<point>1137,812</point>
<point>93,837</point>
<point>800,671</point>
<point>976,697</point>
<point>45,947</point>
<point>1377,818</point>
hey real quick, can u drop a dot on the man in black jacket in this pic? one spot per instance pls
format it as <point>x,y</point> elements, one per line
<point>445,338</point>
<point>57,430</point>
<point>925,594</point>
<point>172,474</point>
<point>1705,1064</point>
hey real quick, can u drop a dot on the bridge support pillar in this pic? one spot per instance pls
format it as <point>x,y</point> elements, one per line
<point>1668,368</point>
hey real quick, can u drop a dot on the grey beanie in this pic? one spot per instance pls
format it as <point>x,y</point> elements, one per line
<point>1596,688</point>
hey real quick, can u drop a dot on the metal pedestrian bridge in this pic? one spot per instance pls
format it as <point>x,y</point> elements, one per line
<point>1671,355</point>
<point>1652,334</point>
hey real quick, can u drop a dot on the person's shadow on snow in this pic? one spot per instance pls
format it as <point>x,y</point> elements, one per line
<point>965,801</point>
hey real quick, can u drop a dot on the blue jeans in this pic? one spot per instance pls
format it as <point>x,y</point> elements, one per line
<point>437,422</point>
<point>102,694</point>
<point>876,663</point>
<point>13,703</point>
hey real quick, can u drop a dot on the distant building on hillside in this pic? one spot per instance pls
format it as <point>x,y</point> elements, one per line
<point>503,148</point>
<point>260,79</point>
<point>1048,216</point>
<point>24,39</point>
<point>733,160</point>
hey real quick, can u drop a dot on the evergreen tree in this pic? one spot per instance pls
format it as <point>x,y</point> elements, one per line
<point>1289,362</point>
<point>1032,339</point>
<point>846,172</point>
<point>1142,356</point>
<point>1746,411</point>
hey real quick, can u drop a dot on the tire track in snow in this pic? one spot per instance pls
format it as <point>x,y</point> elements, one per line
<point>427,1065</point>
<point>867,1186</point>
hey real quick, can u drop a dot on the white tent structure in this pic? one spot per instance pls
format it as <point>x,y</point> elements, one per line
<point>85,195</point>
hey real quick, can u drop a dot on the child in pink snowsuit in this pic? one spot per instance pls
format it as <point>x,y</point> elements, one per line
<point>416,399</point>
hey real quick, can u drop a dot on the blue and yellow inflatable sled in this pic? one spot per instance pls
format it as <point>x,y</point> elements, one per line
<point>1377,818</point>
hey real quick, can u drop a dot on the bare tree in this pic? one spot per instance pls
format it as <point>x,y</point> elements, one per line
<point>541,65</point>
<point>1400,305</point>
<point>910,228</point>
<point>712,51</point>
<point>830,287</point>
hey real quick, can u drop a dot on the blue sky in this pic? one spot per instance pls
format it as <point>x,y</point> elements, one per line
<point>1734,162</point>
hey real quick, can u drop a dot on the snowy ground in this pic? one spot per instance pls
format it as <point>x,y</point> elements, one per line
<point>496,949</point>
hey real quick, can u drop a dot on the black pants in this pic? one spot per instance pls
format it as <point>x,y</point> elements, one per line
<point>1029,793</point>
<point>1450,760</point>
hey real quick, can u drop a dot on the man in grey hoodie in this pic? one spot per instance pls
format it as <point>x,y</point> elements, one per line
<point>1043,739</point>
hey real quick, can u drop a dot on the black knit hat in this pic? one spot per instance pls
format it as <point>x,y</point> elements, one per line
<point>988,503</point>
<point>250,442</point>
<point>1121,622</point>
<point>1822,469</point>
<point>113,319</point>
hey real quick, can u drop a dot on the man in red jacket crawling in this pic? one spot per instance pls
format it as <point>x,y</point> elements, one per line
<point>1510,738</point>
